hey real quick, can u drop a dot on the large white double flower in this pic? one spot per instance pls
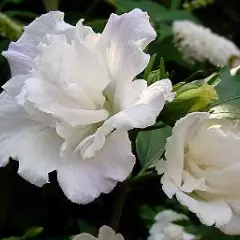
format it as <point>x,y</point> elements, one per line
<point>202,169</point>
<point>72,99</point>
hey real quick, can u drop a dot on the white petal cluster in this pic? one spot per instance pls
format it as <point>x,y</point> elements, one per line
<point>105,233</point>
<point>197,43</point>
<point>72,99</point>
<point>165,229</point>
<point>202,169</point>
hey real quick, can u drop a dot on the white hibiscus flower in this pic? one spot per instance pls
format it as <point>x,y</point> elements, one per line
<point>202,169</point>
<point>72,99</point>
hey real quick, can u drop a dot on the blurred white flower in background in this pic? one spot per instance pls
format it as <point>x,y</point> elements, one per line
<point>72,99</point>
<point>202,169</point>
<point>198,43</point>
<point>165,229</point>
<point>105,233</point>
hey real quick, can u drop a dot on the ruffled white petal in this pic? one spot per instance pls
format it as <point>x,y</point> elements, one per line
<point>34,145</point>
<point>123,48</point>
<point>38,154</point>
<point>83,180</point>
<point>175,146</point>
<point>84,236</point>
<point>144,111</point>
<point>209,212</point>
<point>14,85</point>
<point>21,54</point>
<point>105,233</point>
<point>86,34</point>
<point>141,114</point>
<point>232,227</point>
<point>65,87</point>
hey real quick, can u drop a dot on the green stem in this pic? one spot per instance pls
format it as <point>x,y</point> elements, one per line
<point>227,100</point>
<point>142,176</point>
<point>119,205</point>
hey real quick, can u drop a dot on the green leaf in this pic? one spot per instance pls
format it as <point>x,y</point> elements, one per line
<point>97,25</point>
<point>11,238</point>
<point>158,74</point>
<point>9,28</point>
<point>86,227</point>
<point>173,15</point>
<point>32,232</point>
<point>156,11</point>
<point>228,89</point>
<point>168,51</point>
<point>162,69</point>
<point>4,2</point>
<point>147,213</point>
<point>50,5</point>
<point>153,8</point>
<point>149,66</point>
<point>165,30</point>
<point>150,145</point>
<point>175,4</point>
<point>16,13</point>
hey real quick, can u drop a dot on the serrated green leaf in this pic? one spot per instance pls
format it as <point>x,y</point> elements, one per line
<point>150,145</point>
